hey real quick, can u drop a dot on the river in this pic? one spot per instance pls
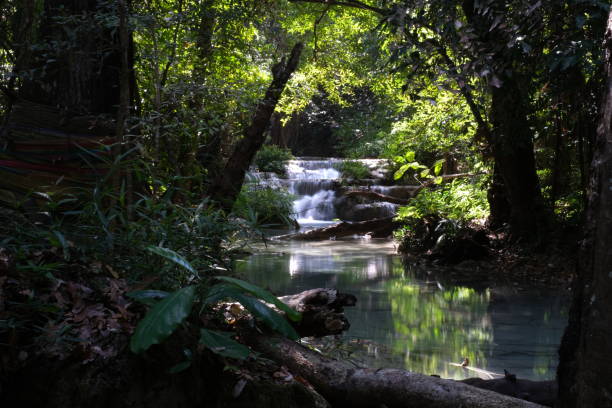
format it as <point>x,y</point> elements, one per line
<point>407,316</point>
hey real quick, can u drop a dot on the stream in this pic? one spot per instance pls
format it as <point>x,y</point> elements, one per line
<point>409,316</point>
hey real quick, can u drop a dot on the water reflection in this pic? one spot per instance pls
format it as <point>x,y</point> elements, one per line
<point>409,318</point>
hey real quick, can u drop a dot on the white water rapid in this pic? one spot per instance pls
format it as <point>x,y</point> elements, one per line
<point>318,188</point>
<point>313,183</point>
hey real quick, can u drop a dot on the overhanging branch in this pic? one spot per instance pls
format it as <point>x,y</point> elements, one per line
<point>348,3</point>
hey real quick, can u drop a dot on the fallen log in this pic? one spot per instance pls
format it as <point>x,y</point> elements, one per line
<point>377,228</point>
<point>540,392</point>
<point>344,385</point>
<point>374,196</point>
<point>322,311</point>
<point>378,197</point>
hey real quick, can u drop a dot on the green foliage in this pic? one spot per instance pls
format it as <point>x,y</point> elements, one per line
<point>271,158</point>
<point>263,295</point>
<point>148,297</point>
<point>261,311</point>
<point>439,122</point>
<point>167,314</point>
<point>163,318</point>
<point>173,256</point>
<point>407,162</point>
<point>352,169</point>
<point>221,343</point>
<point>459,200</point>
<point>263,206</point>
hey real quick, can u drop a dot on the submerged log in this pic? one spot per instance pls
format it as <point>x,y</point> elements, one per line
<point>322,311</point>
<point>378,197</point>
<point>374,196</point>
<point>378,228</point>
<point>344,385</point>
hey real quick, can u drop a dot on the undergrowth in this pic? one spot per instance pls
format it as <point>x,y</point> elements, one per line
<point>272,158</point>
<point>67,268</point>
<point>352,169</point>
<point>439,222</point>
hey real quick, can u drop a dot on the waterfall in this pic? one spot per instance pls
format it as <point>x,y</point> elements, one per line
<point>312,182</point>
<point>318,188</point>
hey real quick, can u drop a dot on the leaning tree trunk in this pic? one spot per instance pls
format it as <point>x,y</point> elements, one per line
<point>226,187</point>
<point>585,366</point>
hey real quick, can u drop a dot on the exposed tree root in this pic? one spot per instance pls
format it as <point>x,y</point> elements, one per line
<point>344,385</point>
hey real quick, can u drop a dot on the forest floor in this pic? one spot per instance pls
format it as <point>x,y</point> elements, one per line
<point>505,262</point>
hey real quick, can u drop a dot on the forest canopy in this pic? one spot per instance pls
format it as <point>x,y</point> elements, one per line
<point>144,145</point>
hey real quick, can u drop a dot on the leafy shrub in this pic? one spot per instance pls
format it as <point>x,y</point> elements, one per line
<point>264,206</point>
<point>272,159</point>
<point>103,232</point>
<point>167,314</point>
<point>460,200</point>
<point>438,218</point>
<point>353,169</point>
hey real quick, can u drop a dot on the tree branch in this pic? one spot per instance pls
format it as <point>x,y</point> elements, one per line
<point>348,3</point>
<point>316,23</point>
<point>174,45</point>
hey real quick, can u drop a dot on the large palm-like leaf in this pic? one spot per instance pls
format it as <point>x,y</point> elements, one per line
<point>163,318</point>
<point>270,317</point>
<point>263,295</point>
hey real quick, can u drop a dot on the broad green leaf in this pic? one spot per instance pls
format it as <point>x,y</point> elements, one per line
<point>425,173</point>
<point>271,318</point>
<point>415,166</point>
<point>438,166</point>
<point>172,256</point>
<point>409,156</point>
<point>219,292</point>
<point>400,172</point>
<point>221,343</point>
<point>148,297</point>
<point>61,242</point>
<point>179,367</point>
<point>163,318</point>
<point>438,180</point>
<point>263,295</point>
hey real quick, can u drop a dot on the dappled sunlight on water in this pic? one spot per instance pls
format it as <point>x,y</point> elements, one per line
<point>411,318</point>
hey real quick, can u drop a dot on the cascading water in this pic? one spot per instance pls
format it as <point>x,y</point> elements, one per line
<point>312,182</point>
<point>318,188</point>
<point>317,185</point>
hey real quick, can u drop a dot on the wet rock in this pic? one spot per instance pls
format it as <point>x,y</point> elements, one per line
<point>352,209</point>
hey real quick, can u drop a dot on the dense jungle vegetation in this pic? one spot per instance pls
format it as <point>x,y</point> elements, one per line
<point>127,130</point>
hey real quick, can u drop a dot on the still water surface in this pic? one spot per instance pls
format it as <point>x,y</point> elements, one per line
<point>407,317</point>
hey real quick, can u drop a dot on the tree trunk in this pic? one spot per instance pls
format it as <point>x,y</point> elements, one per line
<point>498,201</point>
<point>226,187</point>
<point>510,138</point>
<point>80,70</point>
<point>514,158</point>
<point>67,100</point>
<point>585,366</point>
